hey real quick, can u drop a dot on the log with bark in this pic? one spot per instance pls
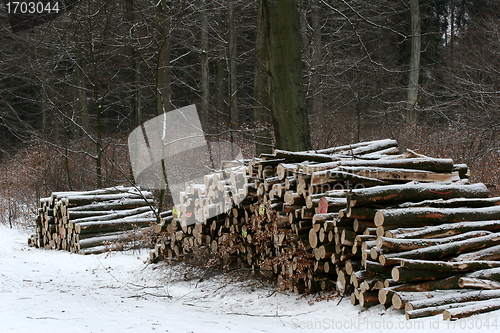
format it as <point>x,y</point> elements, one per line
<point>419,217</point>
<point>412,192</point>
<point>443,250</point>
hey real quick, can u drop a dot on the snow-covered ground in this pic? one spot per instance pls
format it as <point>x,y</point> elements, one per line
<point>55,291</point>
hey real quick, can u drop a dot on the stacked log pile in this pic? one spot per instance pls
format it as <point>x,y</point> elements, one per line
<point>384,226</point>
<point>94,221</point>
<point>400,229</point>
<point>424,239</point>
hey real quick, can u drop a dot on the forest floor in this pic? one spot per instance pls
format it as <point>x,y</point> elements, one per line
<point>55,291</point>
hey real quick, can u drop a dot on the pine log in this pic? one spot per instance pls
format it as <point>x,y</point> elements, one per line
<point>372,147</point>
<point>401,175</point>
<point>443,250</point>
<point>428,164</point>
<point>313,238</point>
<point>373,266</point>
<point>444,284</point>
<point>369,285</point>
<point>284,170</point>
<point>361,225</point>
<point>419,217</point>
<point>115,215</point>
<point>471,309</point>
<point>401,298</point>
<point>431,311</point>
<point>368,298</point>
<point>455,203</point>
<point>73,215</point>
<point>303,156</point>
<point>292,198</point>
<point>406,275</point>
<point>329,176</point>
<point>385,296</point>
<point>338,203</point>
<point>347,149</point>
<point>324,217</point>
<point>489,273</point>
<point>80,200</point>
<point>478,283</point>
<point>414,192</point>
<point>464,266</point>
<point>115,204</point>
<point>110,190</point>
<point>358,277</point>
<point>347,237</point>
<point>106,239</point>
<point>396,245</point>
<point>114,225</point>
<point>444,230</point>
<point>360,213</point>
<point>351,266</point>
<point>490,253</point>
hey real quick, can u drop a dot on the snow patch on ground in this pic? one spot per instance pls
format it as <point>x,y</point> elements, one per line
<point>51,291</point>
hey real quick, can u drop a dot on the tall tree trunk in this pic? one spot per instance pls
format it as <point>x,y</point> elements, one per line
<point>135,73</point>
<point>98,105</point>
<point>284,67</point>
<point>135,66</point>
<point>66,151</point>
<point>163,90</point>
<point>81,92</point>
<point>163,80</point>
<point>416,39</point>
<point>233,63</point>
<point>262,107</point>
<point>221,66</point>
<point>316,90</point>
<point>205,80</point>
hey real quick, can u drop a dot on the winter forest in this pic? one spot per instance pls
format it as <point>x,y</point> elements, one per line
<point>424,72</point>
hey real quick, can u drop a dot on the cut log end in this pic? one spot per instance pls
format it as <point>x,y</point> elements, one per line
<point>446,315</point>
<point>397,302</point>
<point>379,219</point>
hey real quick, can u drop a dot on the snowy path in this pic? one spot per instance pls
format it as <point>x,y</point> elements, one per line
<point>54,291</point>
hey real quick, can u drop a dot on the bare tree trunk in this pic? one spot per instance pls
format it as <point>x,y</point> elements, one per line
<point>163,90</point>
<point>233,63</point>
<point>98,105</point>
<point>205,80</point>
<point>284,67</point>
<point>135,65</point>
<point>416,40</point>
<point>135,72</point>
<point>81,92</point>
<point>316,90</point>
<point>163,79</point>
<point>221,69</point>
<point>262,107</point>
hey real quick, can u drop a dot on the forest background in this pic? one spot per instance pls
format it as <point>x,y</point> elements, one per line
<point>424,72</point>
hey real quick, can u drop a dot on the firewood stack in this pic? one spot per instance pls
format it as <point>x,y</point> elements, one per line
<point>94,221</point>
<point>394,228</point>
<point>383,226</point>
<point>423,239</point>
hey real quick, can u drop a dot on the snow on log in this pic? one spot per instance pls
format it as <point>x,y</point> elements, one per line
<point>419,217</point>
<point>471,309</point>
<point>490,253</point>
<point>414,192</point>
<point>464,266</point>
<point>444,230</point>
<point>478,283</point>
<point>396,245</point>
<point>443,250</point>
